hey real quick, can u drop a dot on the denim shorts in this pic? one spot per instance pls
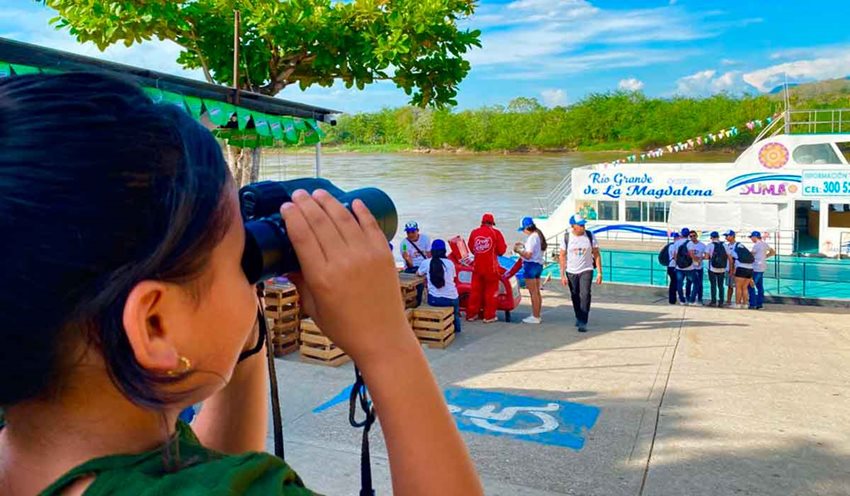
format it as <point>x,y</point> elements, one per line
<point>532,270</point>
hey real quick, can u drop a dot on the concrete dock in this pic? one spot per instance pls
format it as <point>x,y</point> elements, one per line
<point>654,400</point>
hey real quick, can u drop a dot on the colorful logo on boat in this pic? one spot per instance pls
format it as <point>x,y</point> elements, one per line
<point>765,184</point>
<point>773,155</point>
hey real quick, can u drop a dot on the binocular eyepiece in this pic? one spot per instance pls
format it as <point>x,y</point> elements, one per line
<point>268,251</point>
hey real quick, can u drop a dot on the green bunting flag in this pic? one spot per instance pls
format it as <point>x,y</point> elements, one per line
<point>173,99</point>
<point>5,70</point>
<point>22,70</point>
<point>244,116</point>
<point>261,123</point>
<point>314,133</point>
<point>219,112</point>
<point>290,134</point>
<point>154,93</point>
<point>276,127</point>
<point>195,105</point>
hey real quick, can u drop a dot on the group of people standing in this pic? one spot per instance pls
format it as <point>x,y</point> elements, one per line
<point>741,269</point>
<point>579,258</point>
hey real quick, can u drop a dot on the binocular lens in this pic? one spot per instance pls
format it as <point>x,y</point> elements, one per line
<point>268,251</point>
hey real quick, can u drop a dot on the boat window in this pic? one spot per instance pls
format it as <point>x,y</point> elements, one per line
<point>839,215</point>
<point>633,211</point>
<point>821,153</point>
<point>844,148</point>
<point>647,211</point>
<point>609,210</point>
<point>657,211</point>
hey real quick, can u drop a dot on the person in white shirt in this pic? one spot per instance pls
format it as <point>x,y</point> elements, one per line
<point>696,249</point>
<point>686,273</point>
<point>673,289</point>
<point>717,268</point>
<point>439,273</point>
<point>761,252</point>
<point>531,254</point>
<point>414,250</point>
<point>579,253</point>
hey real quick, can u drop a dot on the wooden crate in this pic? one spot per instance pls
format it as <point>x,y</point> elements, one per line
<point>434,326</point>
<point>408,284</point>
<point>318,348</point>
<point>283,314</point>
<point>284,336</point>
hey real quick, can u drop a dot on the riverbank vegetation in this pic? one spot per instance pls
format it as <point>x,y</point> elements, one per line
<point>605,121</point>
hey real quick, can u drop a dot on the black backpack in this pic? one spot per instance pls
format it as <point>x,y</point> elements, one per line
<point>744,255</point>
<point>718,257</point>
<point>664,255</point>
<point>683,257</point>
<point>589,237</point>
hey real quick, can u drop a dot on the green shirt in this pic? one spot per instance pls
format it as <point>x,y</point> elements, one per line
<point>190,470</point>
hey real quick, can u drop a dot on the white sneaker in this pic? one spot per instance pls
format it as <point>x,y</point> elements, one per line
<point>531,319</point>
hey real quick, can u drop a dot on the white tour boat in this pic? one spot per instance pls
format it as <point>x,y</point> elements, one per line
<point>792,184</point>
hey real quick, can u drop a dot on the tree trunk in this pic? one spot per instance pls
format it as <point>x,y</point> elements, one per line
<point>244,164</point>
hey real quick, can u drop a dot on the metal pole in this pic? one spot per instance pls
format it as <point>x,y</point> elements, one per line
<point>319,159</point>
<point>236,18</point>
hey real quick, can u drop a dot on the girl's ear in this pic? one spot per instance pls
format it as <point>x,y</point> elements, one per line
<point>145,321</point>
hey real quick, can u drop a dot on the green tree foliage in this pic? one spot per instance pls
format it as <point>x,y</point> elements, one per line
<point>617,120</point>
<point>415,43</point>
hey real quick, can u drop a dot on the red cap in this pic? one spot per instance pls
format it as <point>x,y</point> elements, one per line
<point>488,219</point>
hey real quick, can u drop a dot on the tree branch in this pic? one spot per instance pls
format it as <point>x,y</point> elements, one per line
<point>203,60</point>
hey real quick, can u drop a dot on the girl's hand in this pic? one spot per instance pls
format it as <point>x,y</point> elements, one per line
<point>348,281</point>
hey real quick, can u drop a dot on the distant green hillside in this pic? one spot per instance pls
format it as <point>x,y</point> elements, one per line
<point>604,121</point>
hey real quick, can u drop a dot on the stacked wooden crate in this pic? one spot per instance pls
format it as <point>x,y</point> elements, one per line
<point>408,283</point>
<point>434,326</point>
<point>283,316</point>
<point>318,348</point>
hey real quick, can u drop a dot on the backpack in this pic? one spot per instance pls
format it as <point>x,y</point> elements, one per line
<point>744,255</point>
<point>718,257</point>
<point>589,237</point>
<point>683,257</point>
<point>664,255</point>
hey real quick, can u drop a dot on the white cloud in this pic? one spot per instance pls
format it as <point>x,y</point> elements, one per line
<point>33,27</point>
<point>710,82</point>
<point>546,38</point>
<point>554,97</point>
<point>834,65</point>
<point>630,84</point>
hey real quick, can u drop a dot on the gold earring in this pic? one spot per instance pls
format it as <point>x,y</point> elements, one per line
<point>185,366</point>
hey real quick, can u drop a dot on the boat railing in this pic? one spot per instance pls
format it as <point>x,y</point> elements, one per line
<point>547,204</point>
<point>844,244</point>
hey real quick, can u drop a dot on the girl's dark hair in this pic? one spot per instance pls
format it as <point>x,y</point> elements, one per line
<point>99,189</point>
<point>543,244</point>
<point>436,270</point>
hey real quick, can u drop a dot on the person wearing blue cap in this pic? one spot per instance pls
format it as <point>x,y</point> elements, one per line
<point>761,252</point>
<point>439,272</point>
<point>579,256</point>
<point>718,265</point>
<point>686,276</point>
<point>414,250</point>
<point>532,265</point>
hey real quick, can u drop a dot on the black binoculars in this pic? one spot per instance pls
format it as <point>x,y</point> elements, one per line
<point>268,251</point>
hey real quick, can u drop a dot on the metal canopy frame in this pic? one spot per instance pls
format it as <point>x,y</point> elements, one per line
<point>17,52</point>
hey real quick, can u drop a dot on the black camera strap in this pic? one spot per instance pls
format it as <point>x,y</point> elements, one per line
<point>265,337</point>
<point>359,394</point>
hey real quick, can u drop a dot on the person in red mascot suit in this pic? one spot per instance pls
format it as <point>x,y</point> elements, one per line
<point>487,244</point>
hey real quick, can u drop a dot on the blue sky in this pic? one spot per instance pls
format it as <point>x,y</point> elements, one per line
<point>560,50</point>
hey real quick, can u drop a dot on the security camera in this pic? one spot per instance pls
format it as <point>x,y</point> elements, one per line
<point>329,119</point>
